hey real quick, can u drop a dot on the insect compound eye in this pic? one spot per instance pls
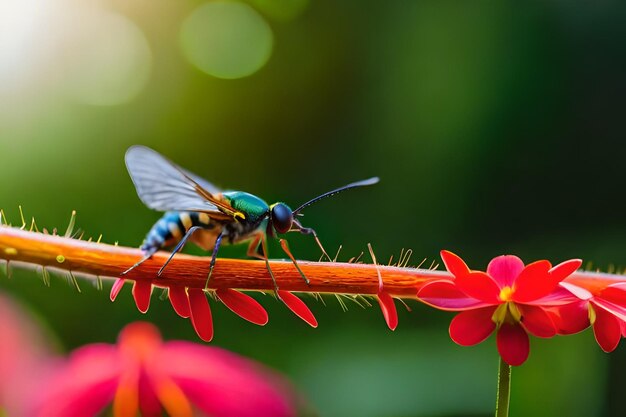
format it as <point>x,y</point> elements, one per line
<point>282,217</point>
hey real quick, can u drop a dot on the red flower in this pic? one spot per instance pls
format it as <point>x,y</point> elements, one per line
<point>143,374</point>
<point>604,308</point>
<point>510,298</point>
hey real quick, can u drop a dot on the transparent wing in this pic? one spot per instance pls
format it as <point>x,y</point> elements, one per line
<point>201,181</point>
<point>164,186</point>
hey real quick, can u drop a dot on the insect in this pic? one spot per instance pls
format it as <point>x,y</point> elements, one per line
<point>197,210</point>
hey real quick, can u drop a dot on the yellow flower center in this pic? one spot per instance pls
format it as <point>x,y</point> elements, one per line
<point>506,293</point>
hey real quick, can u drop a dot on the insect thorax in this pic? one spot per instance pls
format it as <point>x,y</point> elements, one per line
<point>253,208</point>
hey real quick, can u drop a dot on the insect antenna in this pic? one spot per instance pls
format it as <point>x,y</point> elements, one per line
<point>370,181</point>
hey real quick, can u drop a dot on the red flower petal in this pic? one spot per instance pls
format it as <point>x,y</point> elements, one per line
<point>570,318</point>
<point>480,286</point>
<point>565,269</point>
<point>560,296</point>
<point>607,330</point>
<point>537,321</point>
<point>616,310</point>
<point>243,305</point>
<point>622,325</point>
<point>142,290</point>
<point>445,295</point>
<point>505,269</point>
<point>513,344</point>
<point>534,282</point>
<point>389,309</point>
<point>180,300</point>
<point>298,307</point>
<point>454,264</point>
<point>200,314</point>
<point>116,288</point>
<point>615,294</point>
<point>472,327</point>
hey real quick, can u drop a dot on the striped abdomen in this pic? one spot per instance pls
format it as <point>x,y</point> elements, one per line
<point>171,228</point>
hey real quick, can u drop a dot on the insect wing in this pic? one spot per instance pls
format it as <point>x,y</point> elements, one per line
<point>201,181</point>
<point>164,186</point>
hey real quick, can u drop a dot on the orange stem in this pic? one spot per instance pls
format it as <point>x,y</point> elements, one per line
<point>191,271</point>
<point>99,259</point>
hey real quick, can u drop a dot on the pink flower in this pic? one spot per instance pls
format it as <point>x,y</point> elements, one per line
<point>24,358</point>
<point>509,298</point>
<point>144,374</point>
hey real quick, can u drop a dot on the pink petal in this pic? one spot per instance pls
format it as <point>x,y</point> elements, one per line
<point>25,358</point>
<point>389,309</point>
<point>505,269</point>
<point>513,344</point>
<point>84,385</point>
<point>445,295</point>
<point>149,404</point>
<point>116,288</point>
<point>298,307</point>
<point>570,318</point>
<point>80,401</point>
<point>243,305</point>
<point>222,384</point>
<point>565,269</point>
<point>471,327</point>
<point>180,301</point>
<point>480,286</point>
<point>607,330</point>
<point>454,264</point>
<point>620,285</point>
<point>579,292</point>
<point>534,282</point>
<point>142,290</point>
<point>537,321</point>
<point>200,314</point>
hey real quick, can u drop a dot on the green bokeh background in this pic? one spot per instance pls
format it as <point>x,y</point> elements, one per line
<point>495,127</point>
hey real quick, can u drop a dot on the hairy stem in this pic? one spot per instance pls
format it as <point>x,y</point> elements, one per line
<point>504,389</point>
<point>100,259</point>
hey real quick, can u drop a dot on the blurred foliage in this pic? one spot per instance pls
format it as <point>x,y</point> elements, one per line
<point>495,128</point>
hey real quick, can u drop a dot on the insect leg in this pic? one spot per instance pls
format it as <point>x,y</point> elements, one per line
<point>258,249</point>
<point>147,256</point>
<point>285,246</point>
<point>253,248</point>
<point>178,247</point>
<point>267,263</point>
<point>218,241</point>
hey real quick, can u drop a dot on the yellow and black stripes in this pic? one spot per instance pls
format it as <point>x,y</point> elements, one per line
<point>171,228</point>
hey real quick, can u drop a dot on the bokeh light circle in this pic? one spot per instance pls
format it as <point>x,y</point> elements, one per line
<point>226,39</point>
<point>109,60</point>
